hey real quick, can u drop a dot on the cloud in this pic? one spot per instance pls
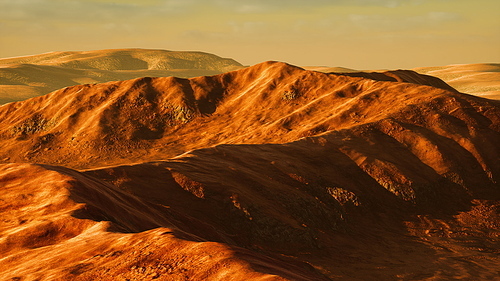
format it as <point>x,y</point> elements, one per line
<point>248,26</point>
<point>398,22</point>
<point>250,8</point>
<point>272,6</point>
<point>383,3</point>
<point>88,20</point>
<point>238,31</point>
<point>439,17</point>
<point>81,10</point>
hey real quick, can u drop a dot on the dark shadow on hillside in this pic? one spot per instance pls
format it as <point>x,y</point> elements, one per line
<point>277,200</point>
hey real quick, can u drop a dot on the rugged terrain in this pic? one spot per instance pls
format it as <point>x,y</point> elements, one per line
<point>270,172</point>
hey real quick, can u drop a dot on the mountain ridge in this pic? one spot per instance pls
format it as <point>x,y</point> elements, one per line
<point>146,109</point>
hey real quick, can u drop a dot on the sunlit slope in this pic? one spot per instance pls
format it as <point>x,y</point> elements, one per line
<point>29,76</point>
<point>270,102</point>
<point>476,79</point>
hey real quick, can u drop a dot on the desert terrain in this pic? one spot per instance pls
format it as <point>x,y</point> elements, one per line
<point>480,79</point>
<point>269,172</point>
<point>31,76</point>
<point>25,77</point>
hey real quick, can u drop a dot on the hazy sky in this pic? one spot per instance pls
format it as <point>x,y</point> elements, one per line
<point>361,34</point>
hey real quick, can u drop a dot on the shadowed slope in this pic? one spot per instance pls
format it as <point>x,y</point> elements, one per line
<point>341,202</point>
<point>29,76</point>
<point>58,224</point>
<point>407,76</point>
<point>327,69</point>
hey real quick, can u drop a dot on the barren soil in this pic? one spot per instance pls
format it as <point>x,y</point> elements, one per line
<point>482,79</point>
<point>31,76</point>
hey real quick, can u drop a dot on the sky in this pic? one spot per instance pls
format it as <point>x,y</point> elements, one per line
<point>359,34</point>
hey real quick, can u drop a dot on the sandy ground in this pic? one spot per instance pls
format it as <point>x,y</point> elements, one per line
<point>481,79</point>
<point>476,79</point>
<point>30,76</point>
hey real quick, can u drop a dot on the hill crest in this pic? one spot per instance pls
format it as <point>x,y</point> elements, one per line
<point>30,76</point>
<point>242,106</point>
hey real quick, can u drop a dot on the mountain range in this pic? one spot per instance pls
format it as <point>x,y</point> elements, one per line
<point>269,172</point>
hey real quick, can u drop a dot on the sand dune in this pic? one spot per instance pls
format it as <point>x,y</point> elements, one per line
<point>30,76</point>
<point>476,79</point>
<point>481,79</point>
<point>270,172</point>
